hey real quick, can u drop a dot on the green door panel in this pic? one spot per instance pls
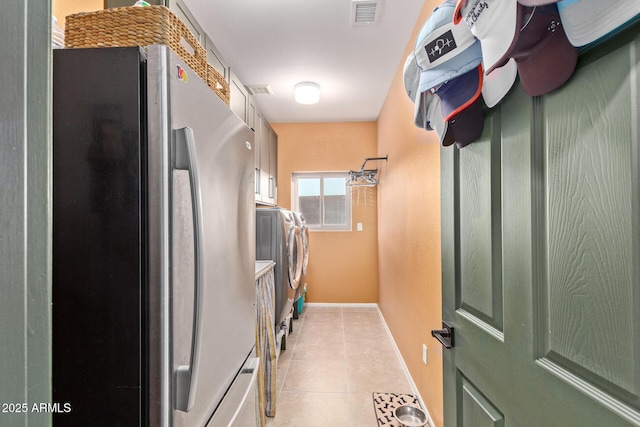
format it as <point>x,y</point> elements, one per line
<point>586,295</point>
<point>477,411</point>
<point>480,285</point>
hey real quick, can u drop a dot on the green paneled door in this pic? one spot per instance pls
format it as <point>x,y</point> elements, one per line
<point>541,254</point>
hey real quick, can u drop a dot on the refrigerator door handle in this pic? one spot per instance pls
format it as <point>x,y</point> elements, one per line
<point>185,159</point>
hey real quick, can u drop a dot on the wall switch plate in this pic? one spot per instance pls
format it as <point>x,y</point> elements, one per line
<point>359,226</point>
<point>424,354</point>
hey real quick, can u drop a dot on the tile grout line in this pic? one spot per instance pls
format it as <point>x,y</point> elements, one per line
<point>286,371</point>
<point>295,345</point>
<point>344,354</point>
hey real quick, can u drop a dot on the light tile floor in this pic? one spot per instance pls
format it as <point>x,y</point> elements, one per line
<point>336,357</point>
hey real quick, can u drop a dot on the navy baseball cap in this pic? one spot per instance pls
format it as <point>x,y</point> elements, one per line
<point>462,106</point>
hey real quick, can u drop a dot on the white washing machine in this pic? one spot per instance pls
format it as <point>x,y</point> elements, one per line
<point>278,238</point>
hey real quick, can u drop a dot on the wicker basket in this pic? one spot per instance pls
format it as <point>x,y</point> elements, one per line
<point>218,84</point>
<point>135,26</point>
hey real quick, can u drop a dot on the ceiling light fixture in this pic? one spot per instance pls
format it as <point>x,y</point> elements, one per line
<point>307,93</point>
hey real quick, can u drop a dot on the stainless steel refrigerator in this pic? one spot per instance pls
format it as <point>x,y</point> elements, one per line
<point>153,244</point>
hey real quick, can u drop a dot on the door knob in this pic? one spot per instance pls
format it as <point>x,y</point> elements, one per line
<point>444,335</point>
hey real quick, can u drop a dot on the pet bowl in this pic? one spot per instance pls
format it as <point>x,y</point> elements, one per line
<point>410,416</point>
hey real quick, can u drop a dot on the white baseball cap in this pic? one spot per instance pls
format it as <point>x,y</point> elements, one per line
<point>497,84</point>
<point>493,22</point>
<point>585,21</point>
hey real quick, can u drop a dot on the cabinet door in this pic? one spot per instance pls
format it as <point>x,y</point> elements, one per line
<point>257,152</point>
<point>251,113</point>
<point>181,11</point>
<point>215,59</point>
<point>273,167</point>
<point>239,97</point>
<point>265,162</point>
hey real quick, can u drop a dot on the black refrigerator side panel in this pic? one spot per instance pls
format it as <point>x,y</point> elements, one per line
<point>99,368</point>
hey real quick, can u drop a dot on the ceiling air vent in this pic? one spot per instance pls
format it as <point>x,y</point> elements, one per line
<point>364,12</point>
<point>259,90</point>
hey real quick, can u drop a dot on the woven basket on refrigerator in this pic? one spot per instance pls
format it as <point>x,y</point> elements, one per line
<point>135,26</point>
<point>218,84</point>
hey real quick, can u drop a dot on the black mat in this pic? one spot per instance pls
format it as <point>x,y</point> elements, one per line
<point>385,403</point>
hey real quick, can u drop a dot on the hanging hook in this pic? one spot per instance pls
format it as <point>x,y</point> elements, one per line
<point>385,158</point>
<point>365,177</point>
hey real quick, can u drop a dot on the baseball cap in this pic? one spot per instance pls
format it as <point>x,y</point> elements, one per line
<point>443,50</point>
<point>493,22</point>
<point>427,111</point>
<point>497,84</point>
<point>462,106</point>
<point>585,21</point>
<point>545,58</point>
<point>533,3</point>
<point>434,119</point>
<point>411,78</point>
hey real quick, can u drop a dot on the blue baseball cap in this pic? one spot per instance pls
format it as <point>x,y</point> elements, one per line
<point>443,50</point>
<point>427,113</point>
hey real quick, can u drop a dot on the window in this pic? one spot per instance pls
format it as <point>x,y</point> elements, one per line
<point>324,199</point>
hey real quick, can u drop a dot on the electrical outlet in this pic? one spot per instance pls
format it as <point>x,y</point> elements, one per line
<point>424,354</point>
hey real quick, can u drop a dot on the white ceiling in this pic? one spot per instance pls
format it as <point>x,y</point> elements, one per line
<point>283,42</point>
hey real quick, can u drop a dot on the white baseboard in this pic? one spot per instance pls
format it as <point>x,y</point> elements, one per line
<point>341,304</point>
<point>405,368</point>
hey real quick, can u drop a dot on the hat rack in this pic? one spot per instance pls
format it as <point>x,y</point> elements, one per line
<point>365,177</point>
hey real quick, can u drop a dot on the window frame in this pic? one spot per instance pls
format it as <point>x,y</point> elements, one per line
<point>322,175</point>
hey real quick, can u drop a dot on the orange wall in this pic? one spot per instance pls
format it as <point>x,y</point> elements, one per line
<point>343,264</point>
<point>409,272</point>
